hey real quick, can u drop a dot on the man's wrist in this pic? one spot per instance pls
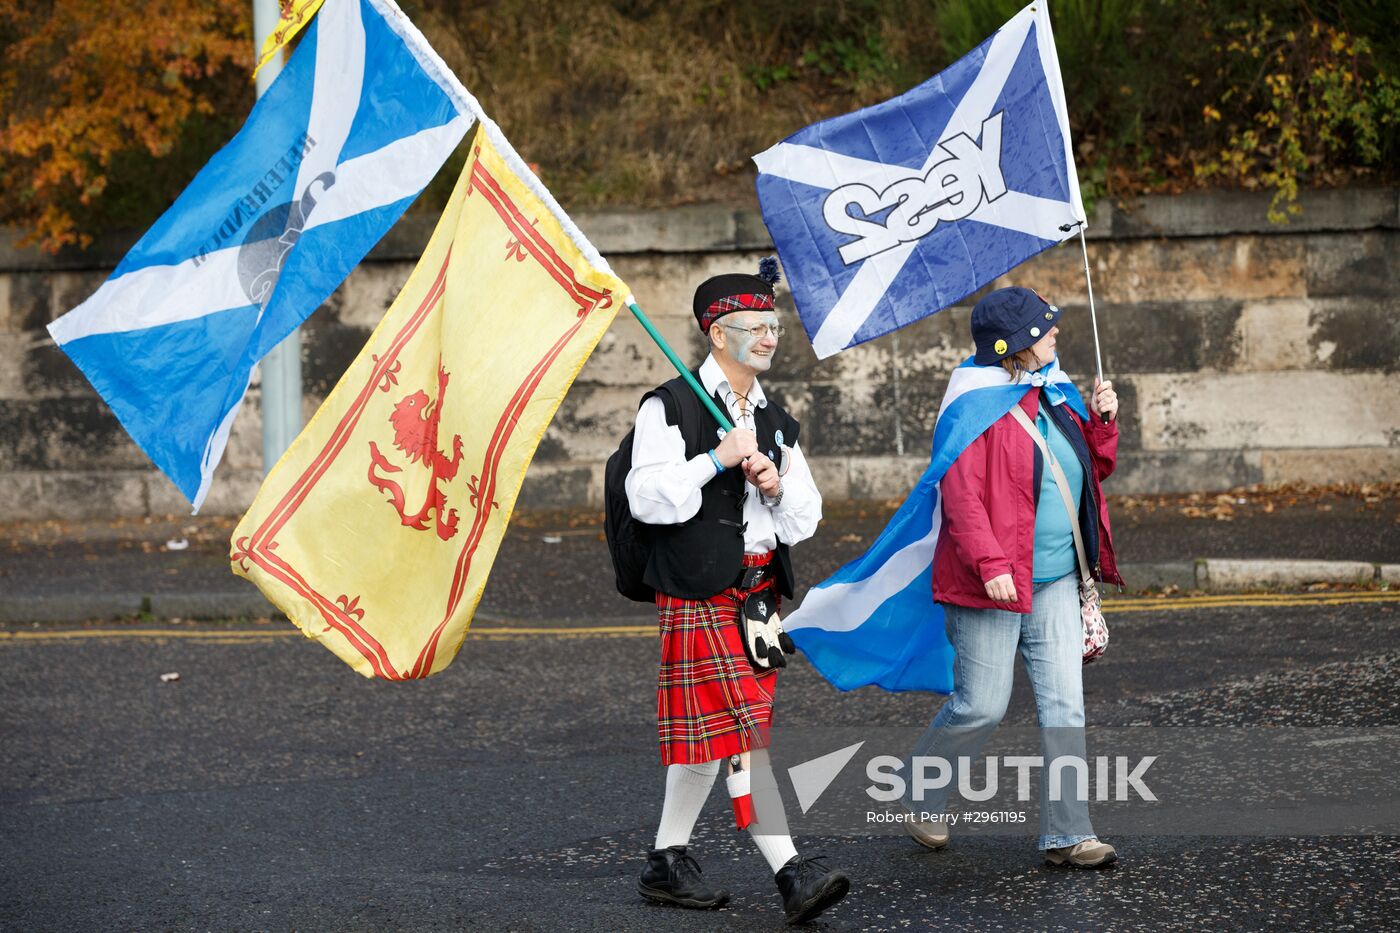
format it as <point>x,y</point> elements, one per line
<point>714,458</point>
<point>776,499</point>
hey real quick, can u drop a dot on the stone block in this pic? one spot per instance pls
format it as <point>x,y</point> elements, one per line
<point>70,289</point>
<point>1344,465</point>
<point>1181,574</point>
<point>328,347</point>
<point>1150,337</point>
<point>561,485</point>
<point>41,369</point>
<point>1140,472</point>
<point>1268,410</point>
<point>846,419</point>
<point>1276,334</point>
<point>1237,574</point>
<point>80,495</point>
<point>64,434</point>
<point>885,477</point>
<point>589,424</point>
<point>232,491</point>
<point>1356,333</point>
<point>368,292</point>
<point>1213,213</point>
<point>244,450</point>
<point>26,301</point>
<point>832,476</point>
<point>627,356</point>
<point>1341,265</point>
<point>695,228</point>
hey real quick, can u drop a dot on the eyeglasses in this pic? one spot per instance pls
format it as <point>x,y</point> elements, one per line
<point>758,331</point>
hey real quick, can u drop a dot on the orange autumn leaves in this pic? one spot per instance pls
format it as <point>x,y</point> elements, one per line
<point>92,90</point>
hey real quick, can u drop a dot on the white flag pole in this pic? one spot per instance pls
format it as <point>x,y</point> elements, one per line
<point>1089,284</point>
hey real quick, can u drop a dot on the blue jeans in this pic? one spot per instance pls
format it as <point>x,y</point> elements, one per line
<point>1051,642</point>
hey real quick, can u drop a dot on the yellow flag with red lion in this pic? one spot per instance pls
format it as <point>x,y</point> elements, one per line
<point>377,529</point>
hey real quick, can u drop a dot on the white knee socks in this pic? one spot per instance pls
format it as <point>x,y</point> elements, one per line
<point>769,829</point>
<point>687,786</point>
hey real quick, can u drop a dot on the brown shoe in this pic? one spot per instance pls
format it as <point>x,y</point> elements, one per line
<point>932,834</point>
<point>1087,854</point>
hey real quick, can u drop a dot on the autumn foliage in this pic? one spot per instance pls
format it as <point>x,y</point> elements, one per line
<point>96,94</point>
<point>107,109</point>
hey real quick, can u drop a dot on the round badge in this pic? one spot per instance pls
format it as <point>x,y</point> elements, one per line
<point>1035,331</point>
<point>1000,347</point>
<point>778,437</point>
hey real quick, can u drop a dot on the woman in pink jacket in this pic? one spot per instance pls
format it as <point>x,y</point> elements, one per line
<point>1005,569</point>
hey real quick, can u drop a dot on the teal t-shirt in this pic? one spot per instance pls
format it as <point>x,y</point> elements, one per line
<point>1054,539</point>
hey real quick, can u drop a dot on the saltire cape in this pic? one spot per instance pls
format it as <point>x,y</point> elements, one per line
<point>891,213</point>
<point>355,126</point>
<point>874,621</point>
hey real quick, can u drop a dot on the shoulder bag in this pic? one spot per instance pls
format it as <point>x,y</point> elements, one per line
<point>1090,604</point>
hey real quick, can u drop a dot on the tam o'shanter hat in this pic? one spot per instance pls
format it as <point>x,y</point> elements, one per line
<point>723,294</point>
<point>1009,320</point>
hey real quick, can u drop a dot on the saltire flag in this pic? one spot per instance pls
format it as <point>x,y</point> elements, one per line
<point>892,213</point>
<point>354,127</point>
<point>874,621</point>
<point>376,531</point>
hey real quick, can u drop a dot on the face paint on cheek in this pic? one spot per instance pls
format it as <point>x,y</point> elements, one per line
<point>746,344</point>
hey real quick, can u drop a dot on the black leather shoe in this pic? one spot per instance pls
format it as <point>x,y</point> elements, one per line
<point>673,877</point>
<point>809,887</point>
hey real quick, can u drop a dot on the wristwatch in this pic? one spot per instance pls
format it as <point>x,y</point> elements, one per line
<point>773,502</point>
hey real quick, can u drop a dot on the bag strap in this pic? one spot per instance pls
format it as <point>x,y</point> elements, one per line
<point>1065,495</point>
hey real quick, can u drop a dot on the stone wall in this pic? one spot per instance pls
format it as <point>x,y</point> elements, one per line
<point>1243,353</point>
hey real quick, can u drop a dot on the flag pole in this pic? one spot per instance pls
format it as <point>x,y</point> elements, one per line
<point>681,368</point>
<point>1089,284</point>
<point>281,368</point>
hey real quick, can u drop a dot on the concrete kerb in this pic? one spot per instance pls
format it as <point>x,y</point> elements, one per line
<point>1207,574</point>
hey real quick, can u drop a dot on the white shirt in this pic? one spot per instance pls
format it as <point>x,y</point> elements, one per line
<point>663,487</point>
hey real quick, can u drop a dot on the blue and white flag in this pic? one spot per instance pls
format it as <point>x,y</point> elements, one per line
<point>889,214</point>
<point>352,130</point>
<point>874,621</point>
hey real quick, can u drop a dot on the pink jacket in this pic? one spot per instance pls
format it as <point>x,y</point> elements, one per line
<point>989,501</point>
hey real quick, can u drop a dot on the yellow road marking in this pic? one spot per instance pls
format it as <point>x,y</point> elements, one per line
<point>502,633</point>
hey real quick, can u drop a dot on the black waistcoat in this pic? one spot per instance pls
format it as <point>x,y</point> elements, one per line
<point>702,556</point>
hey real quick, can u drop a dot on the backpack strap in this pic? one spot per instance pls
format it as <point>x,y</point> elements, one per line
<point>684,412</point>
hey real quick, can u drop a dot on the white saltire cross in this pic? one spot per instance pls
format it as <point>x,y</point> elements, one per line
<point>820,168</point>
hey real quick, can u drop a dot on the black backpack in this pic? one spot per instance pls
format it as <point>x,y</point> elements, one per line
<point>629,543</point>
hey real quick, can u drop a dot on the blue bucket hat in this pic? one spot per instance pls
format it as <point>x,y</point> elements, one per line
<point>1007,321</point>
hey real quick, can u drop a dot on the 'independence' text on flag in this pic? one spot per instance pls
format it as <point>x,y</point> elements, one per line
<point>355,126</point>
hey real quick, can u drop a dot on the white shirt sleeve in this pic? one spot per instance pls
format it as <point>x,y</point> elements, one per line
<point>797,516</point>
<point>663,488</point>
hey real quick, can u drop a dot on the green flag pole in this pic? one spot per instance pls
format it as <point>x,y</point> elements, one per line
<point>681,368</point>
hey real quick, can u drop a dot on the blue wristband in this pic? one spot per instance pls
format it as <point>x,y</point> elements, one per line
<point>719,467</point>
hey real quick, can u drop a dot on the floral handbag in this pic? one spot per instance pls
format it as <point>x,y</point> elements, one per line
<point>1090,604</point>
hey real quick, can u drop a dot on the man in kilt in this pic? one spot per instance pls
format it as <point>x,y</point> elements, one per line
<point>722,510</point>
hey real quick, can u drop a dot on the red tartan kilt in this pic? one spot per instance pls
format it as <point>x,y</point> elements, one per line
<point>710,701</point>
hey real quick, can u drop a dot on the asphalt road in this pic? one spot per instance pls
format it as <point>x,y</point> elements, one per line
<point>271,788</point>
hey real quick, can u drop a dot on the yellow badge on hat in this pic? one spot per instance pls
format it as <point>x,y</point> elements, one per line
<point>1000,347</point>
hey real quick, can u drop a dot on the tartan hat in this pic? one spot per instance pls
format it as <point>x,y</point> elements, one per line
<point>1009,320</point>
<point>735,291</point>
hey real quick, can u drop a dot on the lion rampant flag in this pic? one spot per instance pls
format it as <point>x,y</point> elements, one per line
<point>377,529</point>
